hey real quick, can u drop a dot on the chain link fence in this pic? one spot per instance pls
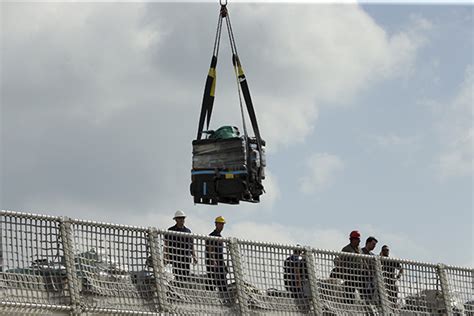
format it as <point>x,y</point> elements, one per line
<point>56,265</point>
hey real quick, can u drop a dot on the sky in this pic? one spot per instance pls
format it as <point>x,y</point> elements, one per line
<point>366,110</point>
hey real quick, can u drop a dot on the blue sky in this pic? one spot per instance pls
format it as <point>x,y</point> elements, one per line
<point>366,110</point>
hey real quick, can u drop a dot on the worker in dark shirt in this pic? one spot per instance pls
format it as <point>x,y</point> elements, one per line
<point>343,264</point>
<point>368,274</point>
<point>392,271</point>
<point>370,244</point>
<point>215,263</point>
<point>179,250</point>
<point>295,273</point>
<point>354,242</point>
<point>349,268</point>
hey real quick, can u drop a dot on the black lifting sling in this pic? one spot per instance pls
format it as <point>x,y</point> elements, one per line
<point>210,193</point>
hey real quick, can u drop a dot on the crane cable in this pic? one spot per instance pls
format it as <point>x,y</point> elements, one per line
<point>242,85</point>
<point>242,80</point>
<point>233,48</point>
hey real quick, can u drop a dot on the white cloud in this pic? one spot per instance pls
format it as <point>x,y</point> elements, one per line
<point>310,59</point>
<point>457,160</point>
<point>329,238</point>
<point>322,168</point>
<point>456,132</point>
<point>401,246</point>
<point>287,124</point>
<point>270,232</point>
<point>393,140</point>
<point>100,102</point>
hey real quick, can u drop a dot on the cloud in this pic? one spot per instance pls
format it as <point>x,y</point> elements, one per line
<point>286,234</point>
<point>456,133</point>
<point>322,169</point>
<point>401,245</point>
<point>310,59</point>
<point>327,238</point>
<point>100,101</point>
<point>457,160</point>
<point>392,140</point>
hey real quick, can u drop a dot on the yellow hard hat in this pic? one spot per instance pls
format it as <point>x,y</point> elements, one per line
<point>220,219</point>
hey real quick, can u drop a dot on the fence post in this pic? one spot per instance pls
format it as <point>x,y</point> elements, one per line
<point>239,276</point>
<point>380,284</point>
<point>313,281</point>
<point>443,279</point>
<point>158,271</point>
<point>70,263</point>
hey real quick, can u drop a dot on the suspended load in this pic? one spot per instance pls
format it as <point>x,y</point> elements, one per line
<point>228,167</point>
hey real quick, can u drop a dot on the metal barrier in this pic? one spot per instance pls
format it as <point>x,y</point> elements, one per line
<point>56,265</point>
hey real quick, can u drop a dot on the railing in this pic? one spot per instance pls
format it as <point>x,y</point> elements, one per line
<point>58,265</point>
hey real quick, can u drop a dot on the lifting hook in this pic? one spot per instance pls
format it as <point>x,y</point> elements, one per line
<point>223,4</point>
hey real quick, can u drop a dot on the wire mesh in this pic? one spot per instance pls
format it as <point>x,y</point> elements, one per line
<point>461,284</point>
<point>417,291</point>
<point>113,267</point>
<point>276,278</point>
<point>116,273</point>
<point>346,282</point>
<point>199,273</point>
<point>32,261</point>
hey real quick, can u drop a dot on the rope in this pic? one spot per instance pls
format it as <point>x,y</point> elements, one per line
<point>242,113</point>
<point>215,51</point>
<point>233,48</point>
<point>224,14</point>
<point>231,36</point>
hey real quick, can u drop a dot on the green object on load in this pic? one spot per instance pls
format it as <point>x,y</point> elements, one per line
<point>225,132</point>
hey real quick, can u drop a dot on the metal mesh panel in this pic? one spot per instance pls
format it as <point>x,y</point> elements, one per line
<point>392,271</point>
<point>461,284</point>
<point>132,270</point>
<point>346,282</point>
<point>275,278</point>
<point>32,261</point>
<point>113,267</point>
<point>418,290</point>
<point>203,283</point>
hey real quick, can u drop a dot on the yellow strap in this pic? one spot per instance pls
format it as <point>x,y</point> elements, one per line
<point>240,70</point>
<point>213,74</point>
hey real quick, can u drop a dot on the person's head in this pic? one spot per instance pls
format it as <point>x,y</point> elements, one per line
<point>179,217</point>
<point>220,221</point>
<point>298,251</point>
<point>385,251</point>
<point>354,238</point>
<point>370,243</point>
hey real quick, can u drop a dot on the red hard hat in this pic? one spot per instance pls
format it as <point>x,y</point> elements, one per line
<point>354,234</point>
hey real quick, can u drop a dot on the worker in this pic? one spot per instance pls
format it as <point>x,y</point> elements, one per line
<point>349,268</point>
<point>179,250</point>
<point>370,244</point>
<point>340,265</point>
<point>295,273</point>
<point>368,273</point>
<point>354,242</point>
<point>215,263</point>
<point>390,275</point>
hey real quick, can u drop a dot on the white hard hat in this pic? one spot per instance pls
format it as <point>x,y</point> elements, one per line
<point>179,214</point>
